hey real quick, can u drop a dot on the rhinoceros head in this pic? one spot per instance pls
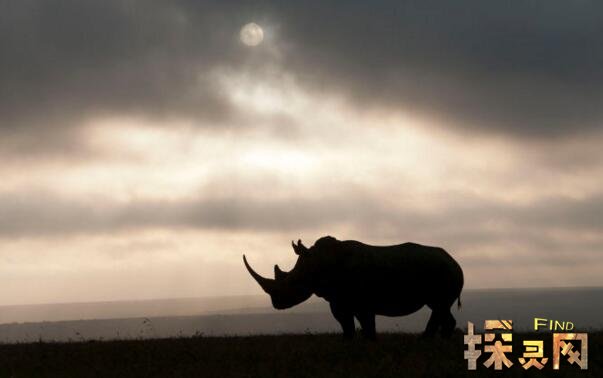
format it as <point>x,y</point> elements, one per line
<point>288,289</point>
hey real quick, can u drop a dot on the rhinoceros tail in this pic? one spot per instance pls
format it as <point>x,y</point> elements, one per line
<point>458,302</point>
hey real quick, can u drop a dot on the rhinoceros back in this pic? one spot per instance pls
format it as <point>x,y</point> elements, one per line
<point>398,279</point>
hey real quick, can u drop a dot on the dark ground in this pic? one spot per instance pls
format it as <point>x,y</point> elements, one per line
<point>322,355</point>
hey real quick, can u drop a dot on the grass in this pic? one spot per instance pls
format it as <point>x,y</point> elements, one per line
<point>320,355</point>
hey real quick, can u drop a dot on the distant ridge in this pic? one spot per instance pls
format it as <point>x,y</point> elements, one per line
<point>127,308</point>
<point>248,315</point>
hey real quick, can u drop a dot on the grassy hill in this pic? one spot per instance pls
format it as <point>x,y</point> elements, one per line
<point>320,355</point>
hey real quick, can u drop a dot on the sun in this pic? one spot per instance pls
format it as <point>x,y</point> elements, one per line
<point>252,34</point>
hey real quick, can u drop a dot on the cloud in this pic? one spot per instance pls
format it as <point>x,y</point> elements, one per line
<point>39,214</point>
<point>466,220</point>
<point>326,127</point>
<point>484,235</point>
<point>75,57</point>
<point>69,61</point>
<point>524,69</point>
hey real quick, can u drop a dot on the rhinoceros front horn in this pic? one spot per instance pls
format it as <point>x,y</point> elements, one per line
<point>265,283</point>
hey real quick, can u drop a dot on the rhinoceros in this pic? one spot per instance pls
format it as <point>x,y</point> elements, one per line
<point>361,280</point>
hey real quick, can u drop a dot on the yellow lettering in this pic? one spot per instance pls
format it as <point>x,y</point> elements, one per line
<point>539,322</point>
<point>559,325</point>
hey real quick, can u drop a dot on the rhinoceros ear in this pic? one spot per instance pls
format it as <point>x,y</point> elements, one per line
<point>299,249</point>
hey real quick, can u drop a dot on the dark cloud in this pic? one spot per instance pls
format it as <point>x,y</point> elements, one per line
<point>69,58</point>
<point>31,214</point>
<point>524,68</point>
<point>66,61</point>
<point>543,225</point>
<point>529,68</point>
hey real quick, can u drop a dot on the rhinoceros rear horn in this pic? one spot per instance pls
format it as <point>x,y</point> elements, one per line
<point>299,249</point>
<point>265,283</point>
<point>278,273</point>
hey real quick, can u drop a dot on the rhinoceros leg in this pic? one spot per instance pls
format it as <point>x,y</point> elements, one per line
<point>432,324</point>
<point>440,319</point>
<point>448,324</point>
<point>367,322</point>
<point>345,319</point>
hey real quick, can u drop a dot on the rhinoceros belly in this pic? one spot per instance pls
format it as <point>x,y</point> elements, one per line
<point>398,309</point>
<point>394,294</point>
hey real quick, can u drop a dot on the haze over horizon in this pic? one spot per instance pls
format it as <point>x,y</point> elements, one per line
<point>145,148</point>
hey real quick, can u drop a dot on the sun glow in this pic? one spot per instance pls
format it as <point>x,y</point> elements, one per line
<point>280,160</point>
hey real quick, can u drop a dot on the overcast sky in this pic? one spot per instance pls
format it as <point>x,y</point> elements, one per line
<point>144,147</point>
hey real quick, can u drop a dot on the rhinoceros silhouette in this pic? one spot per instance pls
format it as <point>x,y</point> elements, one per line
<point>361,280</point>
